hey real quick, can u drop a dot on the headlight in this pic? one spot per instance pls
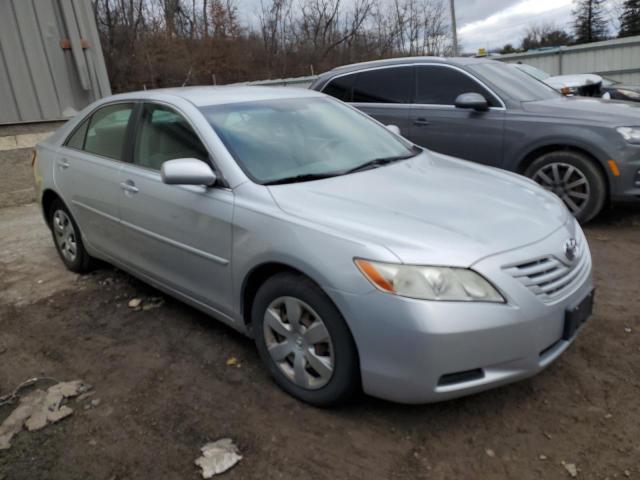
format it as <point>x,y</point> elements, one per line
<point>429,283</point>
<point>629,93</point>
<point>630,134</point>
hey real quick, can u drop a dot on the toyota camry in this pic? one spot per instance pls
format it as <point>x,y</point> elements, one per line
<point>355,259</point>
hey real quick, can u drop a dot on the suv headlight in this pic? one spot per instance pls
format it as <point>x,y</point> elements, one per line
<point>630,134</point>
<point>429,283</point>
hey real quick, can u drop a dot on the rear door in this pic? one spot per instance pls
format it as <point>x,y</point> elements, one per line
<point>180,235</point>
<point>87,175</point>
<point>384,93</point>
<point>438,125</point>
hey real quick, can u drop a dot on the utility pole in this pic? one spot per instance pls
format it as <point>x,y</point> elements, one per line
<point>454,31</point>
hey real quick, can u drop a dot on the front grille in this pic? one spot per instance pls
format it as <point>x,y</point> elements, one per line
<point>548,277</point>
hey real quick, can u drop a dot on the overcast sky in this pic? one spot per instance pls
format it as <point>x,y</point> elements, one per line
<point>492,23</point>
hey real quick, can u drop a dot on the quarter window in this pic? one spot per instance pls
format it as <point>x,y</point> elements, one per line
<point>340,88</point>
<point>441,86</point>
<point>107,131</point>
<point>384,85</point>
<point>165,135</point>
<point>76,140</point>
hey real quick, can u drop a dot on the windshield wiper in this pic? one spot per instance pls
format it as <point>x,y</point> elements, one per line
<point>378,162</point>
<point>306,177</point>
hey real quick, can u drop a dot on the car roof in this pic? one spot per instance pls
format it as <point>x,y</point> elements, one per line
<point>458,61</point>
<point>202,96</point>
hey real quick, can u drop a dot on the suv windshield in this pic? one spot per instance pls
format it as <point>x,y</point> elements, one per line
<point>533,71</point>
<point>513,82</point>
<point>298,139</point>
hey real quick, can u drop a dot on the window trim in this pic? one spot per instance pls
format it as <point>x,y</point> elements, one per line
<point>87,118</point>
<point>416,65</point>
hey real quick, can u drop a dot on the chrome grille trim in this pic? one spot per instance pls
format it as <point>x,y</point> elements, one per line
<point>548,277</point>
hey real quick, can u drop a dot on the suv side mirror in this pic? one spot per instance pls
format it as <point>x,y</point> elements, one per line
<point>473,101</point>
<point>187,171</point>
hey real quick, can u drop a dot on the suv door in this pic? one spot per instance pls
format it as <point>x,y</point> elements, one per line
<point>179,235</point>
<point>87,175</point>
<point>438,125</point>
<point>383,93</point>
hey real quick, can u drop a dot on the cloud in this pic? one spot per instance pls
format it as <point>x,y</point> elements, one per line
<point>509,24</point>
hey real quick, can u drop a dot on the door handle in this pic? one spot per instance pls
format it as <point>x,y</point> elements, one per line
<point>421,122</point>
<point>129,186</point>
<point>64,164</point>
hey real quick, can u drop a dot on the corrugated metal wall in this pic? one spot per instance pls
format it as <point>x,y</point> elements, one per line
<point>51,62</point>
<point>618,59</point>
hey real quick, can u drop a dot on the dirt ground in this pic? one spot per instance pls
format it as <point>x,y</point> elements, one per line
<point>165,388</point>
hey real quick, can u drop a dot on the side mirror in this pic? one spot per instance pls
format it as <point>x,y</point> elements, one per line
<point>473,101</point>
<point>187,171</point>
<point>394,128</point>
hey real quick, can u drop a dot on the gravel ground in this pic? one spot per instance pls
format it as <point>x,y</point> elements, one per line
<point>165,388</point>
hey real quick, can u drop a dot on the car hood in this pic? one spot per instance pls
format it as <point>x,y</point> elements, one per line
<point>573,81</point>
<point>611,112</point>
<point>431,209</point>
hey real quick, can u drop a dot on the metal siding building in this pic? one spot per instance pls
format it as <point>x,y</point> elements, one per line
<point>51,62</point>
<point>618,59</point>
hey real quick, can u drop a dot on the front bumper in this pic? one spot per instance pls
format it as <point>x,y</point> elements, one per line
<point>626,187</point>
<point>415,351</point>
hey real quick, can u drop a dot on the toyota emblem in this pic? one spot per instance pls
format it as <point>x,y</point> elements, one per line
<point>571,249</point>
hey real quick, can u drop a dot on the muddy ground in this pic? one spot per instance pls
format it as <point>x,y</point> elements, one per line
<point>165,387</point>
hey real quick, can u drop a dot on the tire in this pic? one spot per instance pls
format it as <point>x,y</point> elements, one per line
<point>67,239</point>
<point>280,297</point>
<point>584,200</point>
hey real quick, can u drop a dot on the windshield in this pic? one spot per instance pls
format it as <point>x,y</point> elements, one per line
<point>608,82</point>
<point>513,82</point>
<point>301,138</point>
<point>534,72</point>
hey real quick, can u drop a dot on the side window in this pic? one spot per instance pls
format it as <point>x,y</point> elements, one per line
<point>76,140</point>
<point>165,135</point>
<point>385,85</point>
<point>441,86</point>
<point>340,87</point>
<point>107,130</point>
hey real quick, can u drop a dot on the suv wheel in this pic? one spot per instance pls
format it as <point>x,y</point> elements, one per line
<point>67,239</point>
<point>574,178</point>
<point>304,341</point>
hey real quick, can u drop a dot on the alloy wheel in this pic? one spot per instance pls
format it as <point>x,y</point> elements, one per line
<point>298,342</point>
<point>567,182</point>
<point>65,235</point>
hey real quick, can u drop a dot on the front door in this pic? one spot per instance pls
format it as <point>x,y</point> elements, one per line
<point>177,234</point>
<point>438,125</point>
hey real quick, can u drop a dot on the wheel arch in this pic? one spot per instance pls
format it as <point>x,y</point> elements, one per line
<point>48,197</point>
<point>256,278</point>
<point>539,151</point>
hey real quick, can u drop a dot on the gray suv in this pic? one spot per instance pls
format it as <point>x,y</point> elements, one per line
<point>585,150</point>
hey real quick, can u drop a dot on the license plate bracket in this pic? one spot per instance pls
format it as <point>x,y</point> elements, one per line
<point>577,315</point>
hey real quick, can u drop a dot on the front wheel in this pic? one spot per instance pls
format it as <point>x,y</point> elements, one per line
<point>574,178</point>
<point>304,341</point>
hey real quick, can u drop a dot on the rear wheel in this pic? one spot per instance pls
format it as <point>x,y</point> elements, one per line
<point>574,178</point>
<point>67,239</point>
<point>304,341</point>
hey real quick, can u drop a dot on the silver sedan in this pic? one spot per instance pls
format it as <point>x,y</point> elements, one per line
<point>355,259</point>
